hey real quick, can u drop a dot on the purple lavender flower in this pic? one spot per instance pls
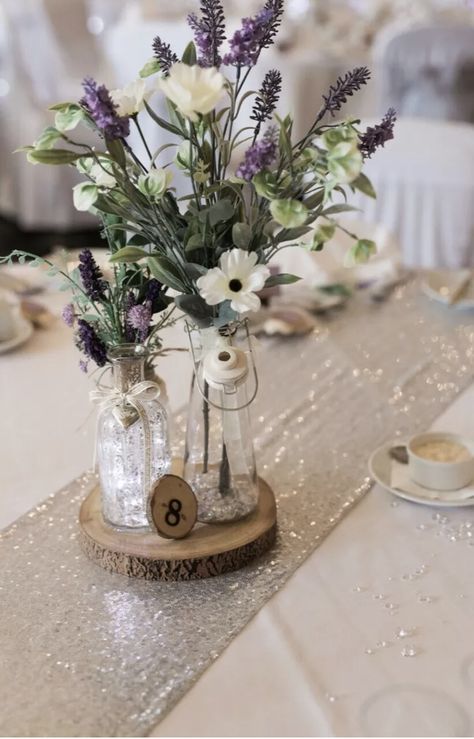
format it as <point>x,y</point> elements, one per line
<point>378,135</point>
<point>260,155</point>
<point>165,56</point>
<point>267,98</point>
<point>68,315</point>
<point>129,303</point>
<point>83,365</point>
<point>103,111</point>
<point>345,87</point>
<point>92,346</point>
<point>139,318</point>
<point>255,34</point>
<point>209,32</point>
<point>247,42</point>
<point>91,276</point>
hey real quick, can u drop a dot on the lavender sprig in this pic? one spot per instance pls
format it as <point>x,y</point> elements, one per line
<point>91,276</point>
<point>378,135</point>
<point>260,155</point>
<point>98,103</point>
<point>248,41</point>
<point>276,7</point>
<point>209,32</point>
<point>164,54</point>
<point>139,318</point>
<point>345,87</point>
<point>90,343</point>
<point>267,98</point>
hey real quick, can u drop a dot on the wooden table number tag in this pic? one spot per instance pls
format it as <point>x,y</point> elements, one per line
<point>173,507</point>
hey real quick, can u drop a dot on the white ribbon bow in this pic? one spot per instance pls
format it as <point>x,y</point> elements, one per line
<point>109,398</point>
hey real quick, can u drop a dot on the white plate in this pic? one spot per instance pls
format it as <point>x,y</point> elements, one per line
<point>380,468</point>
<point>437,284</point>
<point>23,332</point>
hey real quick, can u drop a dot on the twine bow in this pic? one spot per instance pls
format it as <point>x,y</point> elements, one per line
<point>109,398</point>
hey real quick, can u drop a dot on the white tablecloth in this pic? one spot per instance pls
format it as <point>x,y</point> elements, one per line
<point>301,666</point>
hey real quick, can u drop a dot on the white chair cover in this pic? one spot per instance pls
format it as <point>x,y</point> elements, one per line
<point>48,51</point>
<point>428,72</point>
<point>424,180</point>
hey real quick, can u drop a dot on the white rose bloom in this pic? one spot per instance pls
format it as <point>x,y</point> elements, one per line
<point>237,279</point>
<point>102,176</point>
<point>193,89</point>
<point>131,98</point>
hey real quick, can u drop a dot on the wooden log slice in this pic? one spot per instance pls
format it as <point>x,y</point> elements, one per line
<point>209,550</point>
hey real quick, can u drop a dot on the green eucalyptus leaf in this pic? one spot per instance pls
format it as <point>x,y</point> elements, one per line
<point>223,210</point>
<point>291,234</point>
<point>194,242</point>
<point>194,271</point>
<point>189,55</point>
<point>128,254</point>
<point>196,308</point>
<point>138,240</point>
<point>283,279</point>
<point>339,208</point>
<point>165,271</point>
<point>314,200</point>
<point>241,235</point>
<point>365,186</point>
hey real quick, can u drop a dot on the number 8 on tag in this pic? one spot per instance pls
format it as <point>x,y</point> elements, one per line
<point>173,507</point>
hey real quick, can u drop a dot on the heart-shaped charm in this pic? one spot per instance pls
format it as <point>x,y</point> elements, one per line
<point>125,415</point>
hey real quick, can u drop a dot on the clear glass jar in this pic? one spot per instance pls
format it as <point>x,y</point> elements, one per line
<point>133,449</point>
<point>219,460</point>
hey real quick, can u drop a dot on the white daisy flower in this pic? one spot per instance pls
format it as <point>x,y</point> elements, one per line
<point>237,279</point>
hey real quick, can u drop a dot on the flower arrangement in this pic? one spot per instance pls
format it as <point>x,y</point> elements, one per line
<point>253,190</point>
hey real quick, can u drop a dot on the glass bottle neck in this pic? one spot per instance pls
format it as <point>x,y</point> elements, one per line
<point>128,366</point>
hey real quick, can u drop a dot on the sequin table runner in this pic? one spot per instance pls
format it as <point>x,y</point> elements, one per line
<point>87,653</point>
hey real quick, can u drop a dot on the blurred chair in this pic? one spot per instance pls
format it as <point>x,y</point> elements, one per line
<point>427,71</point>
<point>424,180</point>
<point>49,50</point>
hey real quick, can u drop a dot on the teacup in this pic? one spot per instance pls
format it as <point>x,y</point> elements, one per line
<point>7,323</point>
<point>441,461</point>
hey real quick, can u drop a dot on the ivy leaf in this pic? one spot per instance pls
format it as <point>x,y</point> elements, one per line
<point>289,213</point>
<point>283,279</point>
<point>128,254</point>
<point>48,138</point>
<point>68,118</point>
<point>84,195</point>
<point>361,252</point>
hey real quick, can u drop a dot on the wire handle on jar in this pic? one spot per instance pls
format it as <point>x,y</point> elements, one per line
<point>229,388</point>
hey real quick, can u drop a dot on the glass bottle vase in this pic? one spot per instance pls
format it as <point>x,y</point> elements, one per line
<point>133,449</point>
<point>219,460</point>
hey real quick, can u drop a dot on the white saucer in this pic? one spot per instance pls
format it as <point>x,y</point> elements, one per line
<point>23,331</point>
<point>438,284</point>
<point>380,468</point>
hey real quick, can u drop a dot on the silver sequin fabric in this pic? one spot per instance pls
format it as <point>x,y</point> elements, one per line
<point>87,653</point>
